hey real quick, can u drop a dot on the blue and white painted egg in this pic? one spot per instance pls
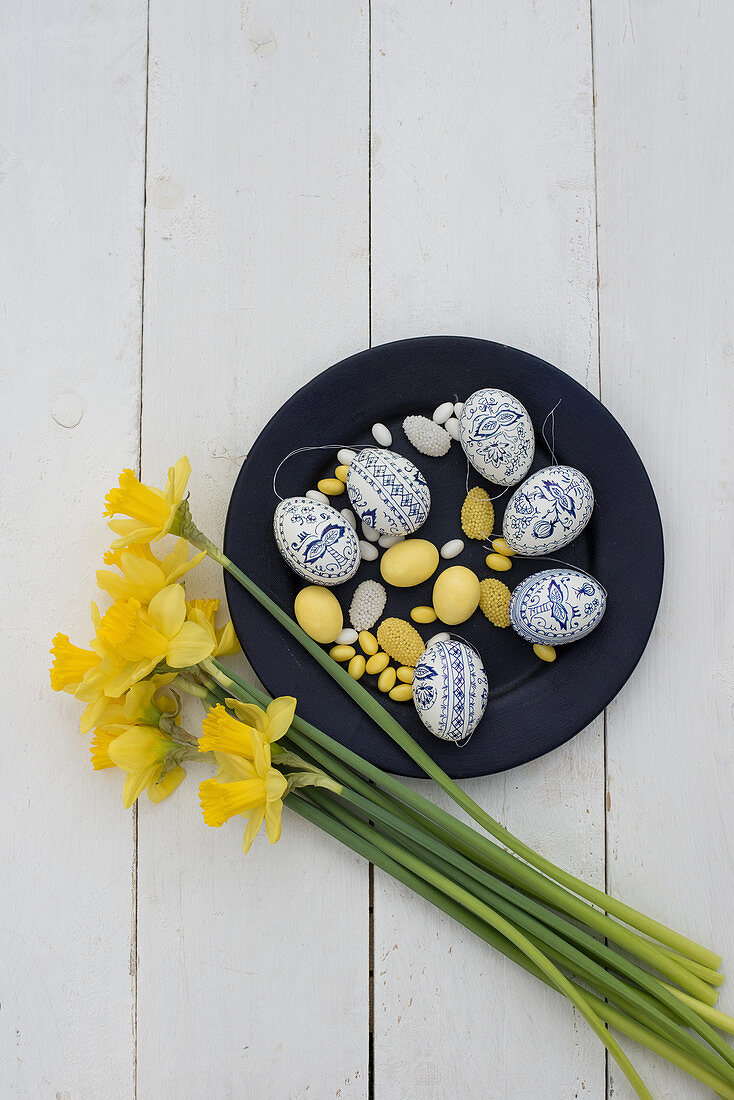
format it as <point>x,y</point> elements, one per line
<point>557,606</point>
<point>548,511</point>
<point>497,436</point>
<point>316,541</point>
<point>388,492</point>
<point>450,689</point>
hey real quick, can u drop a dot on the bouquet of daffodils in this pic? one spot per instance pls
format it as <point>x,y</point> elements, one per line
<point>621,969</point>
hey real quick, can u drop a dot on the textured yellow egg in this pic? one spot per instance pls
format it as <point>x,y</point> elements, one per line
<point>318,612</point>
<point>409,562</point>
<point>456,595</point>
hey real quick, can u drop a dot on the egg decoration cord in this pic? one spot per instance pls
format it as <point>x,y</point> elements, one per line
<point>302,450</point>
<point>552,445</point>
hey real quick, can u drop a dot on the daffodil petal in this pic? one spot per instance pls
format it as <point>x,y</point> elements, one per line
<point>191,645</point>
<point>167,610</point>
<point>128,675</point>
<point>273,812</point>
<point>255,820</point>
<point>177,570</point>
<point>235,767</point>
<point>250,714</point>
<point>160,789</point>
<point>228,641</point>
<point>280,716</point>
<point>136,782</point>
<point>177,480</point>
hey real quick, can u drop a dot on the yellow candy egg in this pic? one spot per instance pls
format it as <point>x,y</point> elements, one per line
<point>423,615</point>
<point>545,652</point>
<point>405,674</point>
<point>498,562</point>
<point>401,640</point>
<point>318,612</point>
<point>409,563</point>
<point>501,547</point>
<point>377,663</point>
<point>342,653</point>
<point>341,473</point>
<point>456,595</point>
<point>331,486</point>
<point>368,642</point>
<point>387,680</point>
<point>401,693</point>
<point>356,667</point>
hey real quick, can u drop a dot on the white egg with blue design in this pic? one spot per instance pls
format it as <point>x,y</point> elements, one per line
<point>496,435</point>
<point>316,541</point>
<point>450,689</point>
<point>548,511</point>
<point>557,606</point>
<point>388,492</point>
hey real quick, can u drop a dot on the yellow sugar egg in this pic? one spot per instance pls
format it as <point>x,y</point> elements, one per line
<point>545,652</point>
<point>342,653</point>
<point>331,486</point>
<point>356,667</point>
<point>341,473</point>
<point>405,674</point>
<point>401,693</point>
<point>387,680</point>
<point>501,547</point>
<point>409,562</point>
<point>401,640</point>
<point>498,562</point>
<point>477,514</point>
<point>318,612</point>
<point>423,615</point>
<point>368,643</point>
<point>377,663</point>
<point>456,595</point>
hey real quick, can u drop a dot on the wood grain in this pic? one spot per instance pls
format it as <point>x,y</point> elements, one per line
<point>72,101</point>
<point>483,224</point>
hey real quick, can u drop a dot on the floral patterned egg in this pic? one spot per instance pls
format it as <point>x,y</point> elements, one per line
<point>316,541</point>
<point>450,689</point>
<point>388,492</point>
<point>548,511</point>
<point>557,606</point>
<point>497,436</point>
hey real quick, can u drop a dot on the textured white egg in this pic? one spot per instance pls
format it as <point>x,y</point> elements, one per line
<point>388,492</point>
<point>450,689</point>
<point>316,541</point>
<point>548,511</point>
<point>557,606</point>
<point>497,436</point>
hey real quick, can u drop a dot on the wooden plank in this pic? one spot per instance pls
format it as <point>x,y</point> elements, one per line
<point>253,975</point>
<point>73,114</point>
<point>483,224</point>
<point>666,235</point>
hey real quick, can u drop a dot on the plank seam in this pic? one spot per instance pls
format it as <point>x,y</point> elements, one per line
<point>371,871</point>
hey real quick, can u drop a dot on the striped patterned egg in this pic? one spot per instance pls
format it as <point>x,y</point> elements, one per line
<point>557,606</point>
<point>548,511</point>
<point>450,689</point>
<point>388,492</point>
<point>316,541</point>
<point>497,436</point>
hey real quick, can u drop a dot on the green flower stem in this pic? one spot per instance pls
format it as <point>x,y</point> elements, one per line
<point>401,737</point>
<point>472,923</point>
<point>711,1015</point>
<point>484,851</point>
<point>199,691</point>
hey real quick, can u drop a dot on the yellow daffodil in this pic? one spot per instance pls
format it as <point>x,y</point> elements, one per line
<point>203,613</point>
<point>272,723</point>
<point>256,794</point>
<point>221,733</point>
<point>149,513</point>
<point>144,638</point>
<point>100,746</point>
<point>70,664</point>
<point>141,752</point>
<point>143,574</point>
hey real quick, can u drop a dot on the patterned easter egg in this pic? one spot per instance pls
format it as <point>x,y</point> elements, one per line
<point>388,492</point>
<point>316,541</point>
<point>497,436</point>
<point>450,689</point>
<point>557,606</point>
<point>548,511</point>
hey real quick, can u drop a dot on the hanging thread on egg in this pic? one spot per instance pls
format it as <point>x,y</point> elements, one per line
<point>552,445</point>
<point>314,447</point>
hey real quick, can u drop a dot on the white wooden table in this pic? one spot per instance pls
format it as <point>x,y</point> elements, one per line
<point>205,204</point>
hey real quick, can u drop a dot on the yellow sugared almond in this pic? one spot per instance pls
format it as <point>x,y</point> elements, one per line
<point>387,679</point>
<point>494,601</point>
<point>401,640</point>
<point>356,667</point>
<point>501,547</point>
<point>331,486</point>
<point>498,562</point>
<point>341,473</point>
<point>423,615</point>
<point>368,643</point>
<point>377,663</point>
<point>342,653</point>
<point>545,652</point>
<point>477,514</point>
<point>405,674</point>
<point>401,693</point>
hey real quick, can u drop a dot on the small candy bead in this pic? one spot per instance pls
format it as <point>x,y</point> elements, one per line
<point>377,664</point>
<point>348,636</point>
<point>401,693</point>
<point>501,547</point>
<point>369,533</point>
<point>405,674</point>
<point>342,653</point>
<point>443,412</point>
<point>331,486</point>
<point>545,652</point>
<point>498,562</point>
<point>345,456</point>
<point>452,427</point>
<point>438,638</point>
<point>382,435</point>
<point>368,551</point>
<point>387,680</point>
<point>349,516</point>
<point>341,473</point>
<point>356,667</point>
<point>457,410</point>
<point>452,549</point>
<point>313,494</point>
<point>368,643</point>
<point>423,615</point>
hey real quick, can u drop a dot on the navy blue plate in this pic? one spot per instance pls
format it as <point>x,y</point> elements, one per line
<point>533,707</point>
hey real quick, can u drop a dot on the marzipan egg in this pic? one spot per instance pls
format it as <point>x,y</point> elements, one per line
<point>388,492</point>
<point>450,689</point>
<point>497,436</point>
<point>316,541</point>
<point>456,595</point>
<point>557,606</point>
<point>548,511</point>
<point>408,563</point>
